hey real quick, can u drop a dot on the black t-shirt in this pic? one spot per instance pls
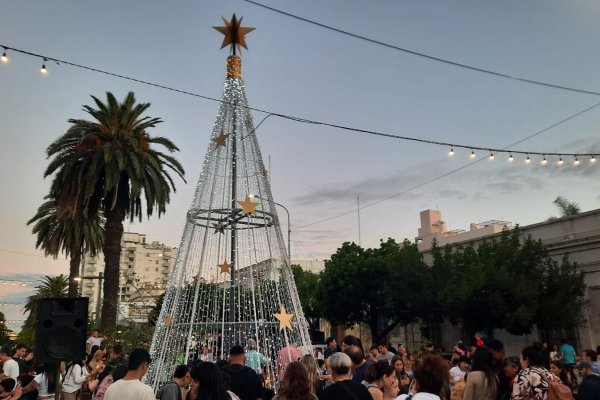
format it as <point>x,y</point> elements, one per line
<point>360,373</point>
<point>245,382</point>
<point>346,390</point>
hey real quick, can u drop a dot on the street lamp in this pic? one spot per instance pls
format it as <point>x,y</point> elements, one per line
<point>288,224</point>
<point>100,278</point>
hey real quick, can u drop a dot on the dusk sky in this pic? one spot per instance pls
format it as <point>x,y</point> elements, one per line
<point>306,71</point>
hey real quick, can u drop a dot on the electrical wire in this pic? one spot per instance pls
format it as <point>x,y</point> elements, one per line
<point>427,56</point>
<point>309,121</point>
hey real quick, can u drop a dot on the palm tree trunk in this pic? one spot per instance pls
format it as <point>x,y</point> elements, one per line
<point>74,272</point>
<point>112,254</point>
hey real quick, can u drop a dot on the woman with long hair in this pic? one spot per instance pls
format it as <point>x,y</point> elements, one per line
<point>533,380</point>
<point>429,376</point>
<point>401,375</point>
<point>481,383</point>
<point>295,384</point>
<point>208,384</point>
<point>379,375</point>
<point>558,369</point>
<point>312,369</point>
<point>44,381</point>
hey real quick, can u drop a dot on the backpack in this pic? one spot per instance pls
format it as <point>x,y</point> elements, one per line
<point>559,391</point>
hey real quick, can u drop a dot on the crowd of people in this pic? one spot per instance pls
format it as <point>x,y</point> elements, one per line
<point>341,372</point>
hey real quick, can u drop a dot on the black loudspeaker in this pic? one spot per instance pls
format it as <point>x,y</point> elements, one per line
<point>61,329</point>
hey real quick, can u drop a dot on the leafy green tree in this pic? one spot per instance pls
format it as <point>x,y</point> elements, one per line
<point>110,165</point>
<point>51,286</point>
<point>4,331</point>
<point>307,283</point>
<point>72,235</point>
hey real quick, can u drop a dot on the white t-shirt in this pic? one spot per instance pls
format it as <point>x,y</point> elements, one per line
<point>94,341</point>
<point>11,368</point>
<point>130,390</point>
<point>75,377</point>
<point>456,374</point>
<point>42,384</point>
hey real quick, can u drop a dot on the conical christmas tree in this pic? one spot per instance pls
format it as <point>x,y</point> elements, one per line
<point>232,283</point>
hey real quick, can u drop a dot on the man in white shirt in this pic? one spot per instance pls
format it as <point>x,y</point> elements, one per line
<point>92,341</point>
<point>131,387</point>
<point>11,367</point>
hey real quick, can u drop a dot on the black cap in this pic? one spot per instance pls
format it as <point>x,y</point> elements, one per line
<point>583,364</point>
<point>236,350</point>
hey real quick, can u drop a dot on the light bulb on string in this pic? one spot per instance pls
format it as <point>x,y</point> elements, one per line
<point>451,152</point>
<point>527,160</point>
<point>43,70</point>
<point>510,158</point>
<point>4,57</point>
<point>576,161</point>
<point>560,161</point>
<point>491,156</point>
<point>544,161</point>
<point>472,154</point>
<point>593,159</point>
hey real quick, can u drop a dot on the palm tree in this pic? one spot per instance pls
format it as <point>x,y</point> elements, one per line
<point>73,236</point>
<point>107,165</point>
<point>567,208</point>
<point>51,286</point>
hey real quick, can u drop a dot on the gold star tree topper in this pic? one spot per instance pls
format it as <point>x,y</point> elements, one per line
<point>235,34</point>
<point>248,207</point>
<point>284,319</point>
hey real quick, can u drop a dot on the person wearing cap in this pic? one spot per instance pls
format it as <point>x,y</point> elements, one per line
<point>254,359</point>
<point>245,382</point>
<point>589,389</point>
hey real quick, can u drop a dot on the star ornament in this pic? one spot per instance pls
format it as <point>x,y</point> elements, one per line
<point>168,320</point>
<point>284,319</point>
<point>248,207</point>
<point>219,228</point>
<point>220,139</point>
<point>235,34</point>
<point>225,267</point>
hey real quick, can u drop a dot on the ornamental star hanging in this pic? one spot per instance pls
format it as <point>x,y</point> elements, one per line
<point>284,319</point>
<point>219,228</point>
<point>234,33</point>
<point>225,267</point>
<point>168,320</point>
<point>220,140</point>
<point>248,207</point>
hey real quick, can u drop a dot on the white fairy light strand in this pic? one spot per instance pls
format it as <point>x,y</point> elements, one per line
<point>314,122</point>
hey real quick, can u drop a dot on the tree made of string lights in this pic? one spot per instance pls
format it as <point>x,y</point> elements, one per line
<point>232,280</point>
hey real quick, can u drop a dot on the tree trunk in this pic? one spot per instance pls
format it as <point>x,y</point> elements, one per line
<point>74,272</point>
<point>112,255</point>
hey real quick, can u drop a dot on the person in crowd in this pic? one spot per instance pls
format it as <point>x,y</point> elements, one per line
<point>295,384</point>
<point>255,360</point>
<point>568,354</point>
<point>130,386</point>
<point>9,390</point>
<point>558,369</point>
<point>481,382</point>
<point>554,353</point>
<point>173,389</point>
<point>10,366</point>
<point>429,377</point>
<point>44,382</point>
<point>512,367</point>
<point>458,372</point>
<point>409,362</point>
<point>206,355</point>
<point>589,389</point>
<point>19,356</point>
<point>343,388</point>
<point>325,379</point>
<point>331,346</point>
<point>498,356</point>
<point>75,375</point>
<point>384,353</point>
<point>285,356</point>
<point>97,361</point>
<point>533,379</point>
<point>373,353</point>
<point>401,375</point>
<point>359,364</point>
<point>244,381</point>
<point>390,390</point>
<point>350,340</point>
<point>115,374</point>
<point>208,383</point>
<point>379,375</point>
<point>591,357</point>
<point>93,340</point>
<point>312,371</point>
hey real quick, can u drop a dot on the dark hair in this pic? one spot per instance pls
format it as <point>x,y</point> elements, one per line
<point>397,358</point>
<point>495,345</point>
<point>51,369</point>
<point>463,359</point>
<point>180,371</point>
<point>356,354</point>
<point>431,374</point>
<point>382,343</point>
<point>20,346</point>
<point>6,350</point>
<point>563,372</point>
<point>117,349</point>
<point>137,357</point>
<point>8,384</point>
<point>320,363</point>
<point>378,370</point>
<point>220,363</point>
<point>212,385</point>
<point>514,360</point>
<point>352,341</point>
<point>236,350</point>
<point>329,340</point>
<point>534,357</point>
<point>295,384</point>
<point>119,372</point>
<point>482,361</point>
<point>591,353</point>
